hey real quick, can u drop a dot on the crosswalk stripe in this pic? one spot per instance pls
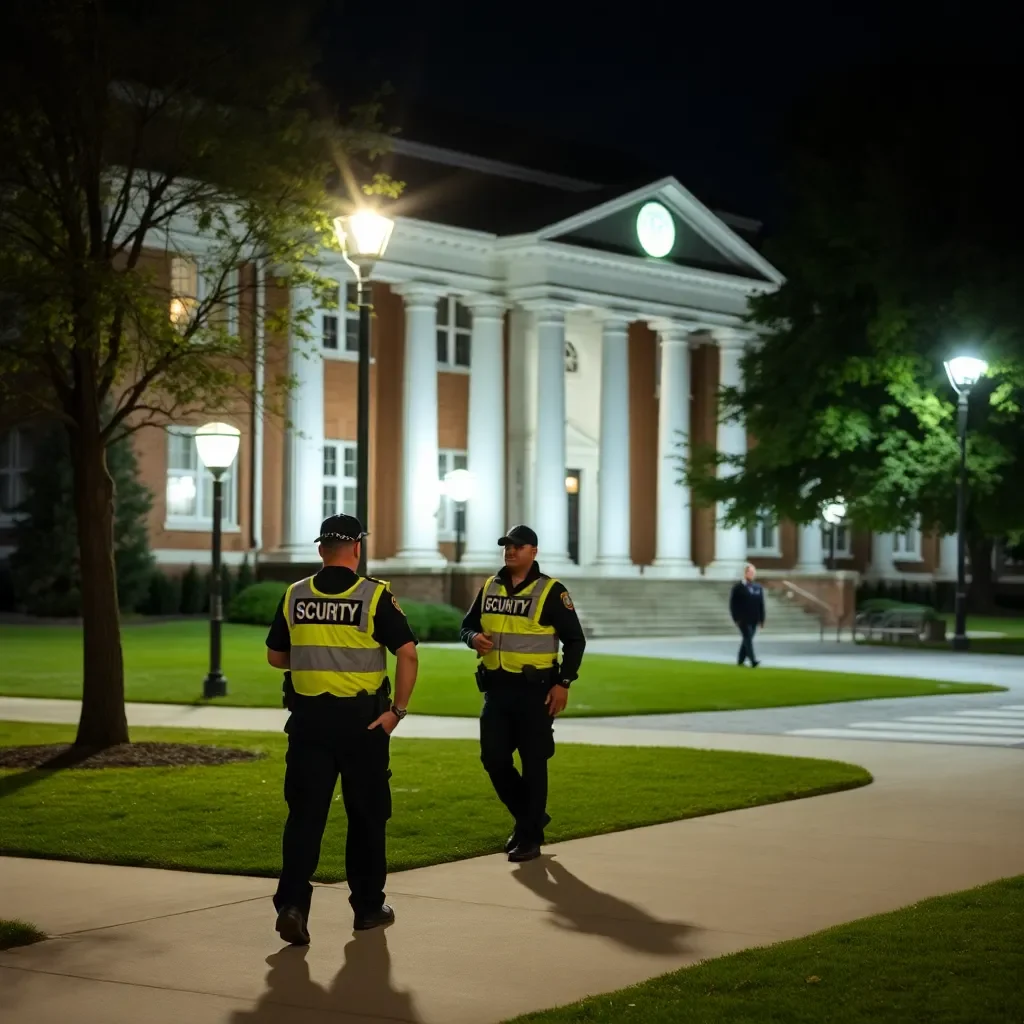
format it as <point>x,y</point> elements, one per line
<point>945,725</point>
<point>913,737</point>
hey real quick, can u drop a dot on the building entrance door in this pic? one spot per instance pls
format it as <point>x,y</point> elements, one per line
<point>572,488</point>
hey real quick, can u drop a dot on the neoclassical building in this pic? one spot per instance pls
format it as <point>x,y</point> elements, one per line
<point>557,338</point>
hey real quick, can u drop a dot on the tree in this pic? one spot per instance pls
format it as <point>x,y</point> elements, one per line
<point>901,248</point>
<point>118,139</point>
<point>45,562</point>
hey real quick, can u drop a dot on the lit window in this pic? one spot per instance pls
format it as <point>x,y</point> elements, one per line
<point>763,536</point>
<point>339,479</point>
<point>447,461</point>
<point>190,485</point>
<point>906,546</point>
<point>15,461</point>
<point>572,359</point>
<point>454,333</point>
<point>331,320</point>
<point>192,285</point>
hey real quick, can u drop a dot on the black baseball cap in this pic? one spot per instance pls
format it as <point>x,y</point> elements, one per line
<point>341,528</point>
<point>518,536</point>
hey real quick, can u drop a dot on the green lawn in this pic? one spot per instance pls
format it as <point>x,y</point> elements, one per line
<point>229,818</point>
<point>18,933</point>
<point>1011,627</point>
<point>952,960</point>
<point>166,663</point>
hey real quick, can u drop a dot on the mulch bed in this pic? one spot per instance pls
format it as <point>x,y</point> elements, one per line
<point>127,755</point>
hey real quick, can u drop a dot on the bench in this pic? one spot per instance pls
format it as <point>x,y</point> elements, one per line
<point>898,625</point>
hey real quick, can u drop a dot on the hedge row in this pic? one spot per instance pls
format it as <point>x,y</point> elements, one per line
<point>189,593</point>
<point>256,605</point>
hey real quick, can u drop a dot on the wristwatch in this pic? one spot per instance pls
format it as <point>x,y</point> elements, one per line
<point>564,682</point>
<point>399,713</point>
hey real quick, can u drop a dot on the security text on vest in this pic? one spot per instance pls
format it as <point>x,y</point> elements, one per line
<point>494,605</point>
<point>329,609</point>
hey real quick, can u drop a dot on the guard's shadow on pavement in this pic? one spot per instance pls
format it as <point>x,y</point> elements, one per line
<point>579,907</point>
<point>362,988</point>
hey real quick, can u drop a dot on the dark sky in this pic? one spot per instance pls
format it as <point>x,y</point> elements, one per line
<point>696,90</point>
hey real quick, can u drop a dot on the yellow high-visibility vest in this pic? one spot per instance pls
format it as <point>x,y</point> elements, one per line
<point>333,650</point>
<point>513,623</point>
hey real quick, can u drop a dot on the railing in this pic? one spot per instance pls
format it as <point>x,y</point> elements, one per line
<point>826,614</point>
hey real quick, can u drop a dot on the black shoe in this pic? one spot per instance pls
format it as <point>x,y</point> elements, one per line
<point>754,664</point>
<point>291,926</point>
<point>512,842</point>
<point>523,852</point>
<point>375,919</point>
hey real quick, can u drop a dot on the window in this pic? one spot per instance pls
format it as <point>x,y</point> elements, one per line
<point>339,479</point>
<point>763,537</point>
<point>331,324</point>
<point>844,540</point>
<point>572,360</point>
<point>446,524</point>
<point>190,486</point>
<point>454,332</point>
<point>906,546</point>
<point>190,286</point>
<point>15,460</point>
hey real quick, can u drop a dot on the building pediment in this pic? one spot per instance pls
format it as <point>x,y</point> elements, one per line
<point>663,223</point>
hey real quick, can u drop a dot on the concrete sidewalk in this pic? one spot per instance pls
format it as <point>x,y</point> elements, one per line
<point>481,941</point>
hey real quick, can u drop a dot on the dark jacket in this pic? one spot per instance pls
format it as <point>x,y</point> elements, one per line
<point>746,604</point>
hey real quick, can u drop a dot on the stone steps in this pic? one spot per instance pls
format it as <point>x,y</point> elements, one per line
<point>616,608</point>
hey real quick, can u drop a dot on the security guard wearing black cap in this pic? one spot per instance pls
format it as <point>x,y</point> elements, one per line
<point>330,632</point>
<point>515,626</point>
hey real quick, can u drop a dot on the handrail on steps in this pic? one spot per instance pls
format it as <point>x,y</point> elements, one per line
<point>826,611</point>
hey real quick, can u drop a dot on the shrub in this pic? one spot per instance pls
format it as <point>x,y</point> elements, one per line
<point>886,604</point>
<point>246,577</point>
<point>164,596</point>
<point>256,604</point>
<point>439,623</point>
<point>193,592</point>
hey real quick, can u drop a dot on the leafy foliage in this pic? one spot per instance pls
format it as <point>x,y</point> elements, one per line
<point>900,251</point>
<point>45,564</point>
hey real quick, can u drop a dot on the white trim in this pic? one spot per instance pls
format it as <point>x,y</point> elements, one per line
<point>259,402</point>
<point>16,471</point>
<point>758,550</point>
<point>338,480</point>
<point>193,526</point>
<point>453,332</point>
<point>198,523</point>
<point>195,556</point>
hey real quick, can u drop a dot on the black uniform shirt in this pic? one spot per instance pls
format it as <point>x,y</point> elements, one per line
<point>558,613</point>
<point>746,603</point>
<point>390,626</point>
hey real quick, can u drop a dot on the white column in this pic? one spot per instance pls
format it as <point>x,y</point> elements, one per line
<point>420,482</point>
<point>550,501</point>
<point>304,443</point>
<point>883,562</point>
<point>812,551</point>
<point>947,567</point>
<point>673,546</point>
<point>730,541</point>
<point>613,480</point>
<point>485,511</point>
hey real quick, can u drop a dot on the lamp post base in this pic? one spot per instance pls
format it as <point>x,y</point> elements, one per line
<point>961,643</point>
<point>215,685</point>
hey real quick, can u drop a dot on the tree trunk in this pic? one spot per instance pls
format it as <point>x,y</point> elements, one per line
<point>981,595</point>
<point>103,722</point>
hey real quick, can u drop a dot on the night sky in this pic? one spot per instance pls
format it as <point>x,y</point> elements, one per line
<point>699,91</point>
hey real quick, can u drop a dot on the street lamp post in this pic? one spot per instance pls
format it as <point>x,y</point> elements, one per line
<point>833,514</point>
<point>963,372</point>
<point>458,485</point>
<point>217,444</point>
<point>364,238</point>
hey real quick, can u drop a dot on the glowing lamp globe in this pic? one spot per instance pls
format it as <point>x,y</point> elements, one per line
<point>458,485</point>
<point>364,237</point>
<point>218,445</point>
<point>965,371</point>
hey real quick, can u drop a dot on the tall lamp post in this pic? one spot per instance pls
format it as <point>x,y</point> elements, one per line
<point>458,485</point>
<point>963,372</point>
<point>833,514</point>
<point>364,238</point>
<point>218,445</point>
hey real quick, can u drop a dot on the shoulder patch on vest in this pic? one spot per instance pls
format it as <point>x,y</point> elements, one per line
<point>567,600</point>
<point>398,607</point>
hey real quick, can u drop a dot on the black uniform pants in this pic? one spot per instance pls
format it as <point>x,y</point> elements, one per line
<point>515,717</point>
<point>328,737</point>
<point>747,630</point>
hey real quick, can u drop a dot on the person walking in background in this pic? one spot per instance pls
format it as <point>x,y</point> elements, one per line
<point>746,606</point>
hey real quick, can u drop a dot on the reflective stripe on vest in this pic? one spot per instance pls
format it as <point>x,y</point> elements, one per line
<point>513,623</point>
<point>333,650</point>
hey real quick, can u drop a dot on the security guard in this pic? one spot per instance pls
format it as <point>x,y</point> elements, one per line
<point>515,626</point>
<point>330,632</point>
